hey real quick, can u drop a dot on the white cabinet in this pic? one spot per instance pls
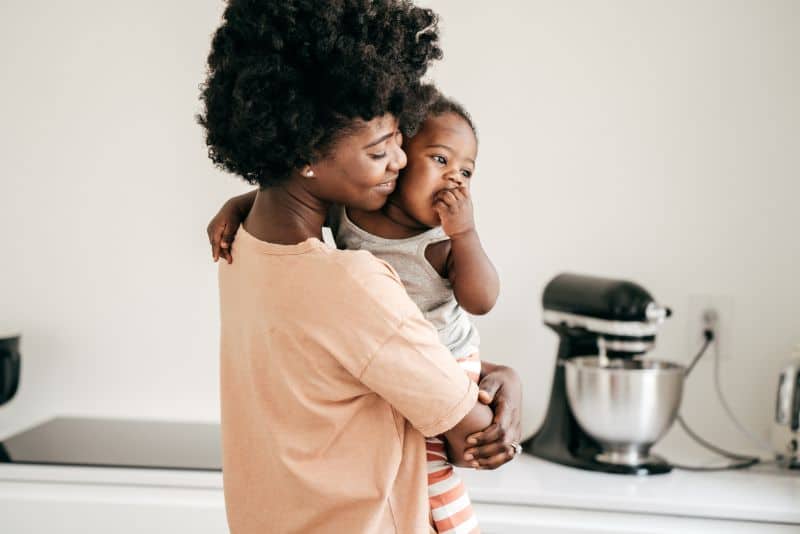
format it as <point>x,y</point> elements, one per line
<point>504,519</point>
<point>38,499</point>
<point>40,507</point>
<point>62,508</point>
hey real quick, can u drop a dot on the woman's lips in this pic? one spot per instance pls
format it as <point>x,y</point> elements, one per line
<point>386,187</point>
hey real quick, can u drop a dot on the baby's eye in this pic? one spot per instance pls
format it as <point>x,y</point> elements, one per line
<point>378,156</point>
<point>440,159</point>
<point>466,173</point>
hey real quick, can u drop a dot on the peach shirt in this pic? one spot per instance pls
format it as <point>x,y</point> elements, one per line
<point>329,379</point>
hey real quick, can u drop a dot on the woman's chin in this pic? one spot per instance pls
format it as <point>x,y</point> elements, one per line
<point>372,203</point>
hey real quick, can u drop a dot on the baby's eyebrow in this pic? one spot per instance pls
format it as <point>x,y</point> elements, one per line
<point>441,146</point>
<point>449,150</point>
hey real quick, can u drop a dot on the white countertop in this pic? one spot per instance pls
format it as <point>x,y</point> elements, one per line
<point>756,494</point>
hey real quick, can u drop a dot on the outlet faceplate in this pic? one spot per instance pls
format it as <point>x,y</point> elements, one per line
<point>699,308</point>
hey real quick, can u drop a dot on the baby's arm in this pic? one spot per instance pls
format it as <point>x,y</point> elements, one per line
<point>222,228</point>
<point>474,278</point>
<point>480,417</point>
<point>226,222</point>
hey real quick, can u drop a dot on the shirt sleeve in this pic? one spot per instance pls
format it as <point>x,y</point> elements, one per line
<point>419,377</point>
<point>396,353</point>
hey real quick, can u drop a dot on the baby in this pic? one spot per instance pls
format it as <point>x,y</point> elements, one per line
<point>426,232</point>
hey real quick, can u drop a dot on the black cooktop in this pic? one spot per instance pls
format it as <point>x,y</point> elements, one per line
<point>117,443</point>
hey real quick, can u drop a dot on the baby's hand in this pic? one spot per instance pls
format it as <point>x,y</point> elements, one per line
<point>222,229</point>
<point>454,207</point>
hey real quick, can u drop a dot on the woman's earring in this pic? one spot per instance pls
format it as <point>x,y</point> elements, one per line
<point>309,173</point>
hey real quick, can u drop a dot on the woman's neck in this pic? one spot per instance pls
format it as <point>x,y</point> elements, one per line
<point>286,214</point>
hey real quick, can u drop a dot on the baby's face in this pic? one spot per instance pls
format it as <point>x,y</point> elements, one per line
<point>440,156</point>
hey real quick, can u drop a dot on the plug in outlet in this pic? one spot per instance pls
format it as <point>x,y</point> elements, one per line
<point>710,311</point>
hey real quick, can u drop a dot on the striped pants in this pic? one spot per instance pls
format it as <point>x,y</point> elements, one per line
<point>451,508</point>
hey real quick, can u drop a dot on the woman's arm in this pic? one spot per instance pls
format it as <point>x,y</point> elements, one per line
<point>490,447</point>
<point>403,360</point>
<point>226,222</point>
<point>471,273</point>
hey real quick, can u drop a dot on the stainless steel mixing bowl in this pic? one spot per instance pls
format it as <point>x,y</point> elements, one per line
<point>626,406</point>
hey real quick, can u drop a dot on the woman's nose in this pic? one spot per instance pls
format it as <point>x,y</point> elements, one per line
<point>398,161</point>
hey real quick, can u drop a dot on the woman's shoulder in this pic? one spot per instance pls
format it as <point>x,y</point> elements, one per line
<point>349,286</point>
<point>363,265</point>
<point>367,276</point>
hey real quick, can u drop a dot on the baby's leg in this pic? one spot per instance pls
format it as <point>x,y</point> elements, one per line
<point>450,505</point>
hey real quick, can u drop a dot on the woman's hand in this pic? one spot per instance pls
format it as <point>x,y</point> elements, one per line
<point>222,228</point>
<point>501,389</point>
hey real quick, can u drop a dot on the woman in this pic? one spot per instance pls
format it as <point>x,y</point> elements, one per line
<point>330,376</point>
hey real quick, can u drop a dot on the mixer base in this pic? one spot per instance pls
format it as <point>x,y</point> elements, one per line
<point>633,459</point>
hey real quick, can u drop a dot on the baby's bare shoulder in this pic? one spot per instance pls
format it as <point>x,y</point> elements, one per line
<point>437,255</point>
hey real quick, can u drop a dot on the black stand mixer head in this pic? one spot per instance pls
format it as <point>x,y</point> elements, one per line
<point>586,311</point>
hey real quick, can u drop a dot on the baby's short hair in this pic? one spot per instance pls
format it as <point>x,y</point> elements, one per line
<point>442,104</point>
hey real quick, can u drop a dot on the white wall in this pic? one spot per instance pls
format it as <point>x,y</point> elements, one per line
<point>106,191</point>
<point>655,141</point>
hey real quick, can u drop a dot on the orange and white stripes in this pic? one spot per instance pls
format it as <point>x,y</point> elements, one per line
<point>451,508</point>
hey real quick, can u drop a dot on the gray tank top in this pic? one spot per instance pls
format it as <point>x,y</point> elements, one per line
<point>429,291</point>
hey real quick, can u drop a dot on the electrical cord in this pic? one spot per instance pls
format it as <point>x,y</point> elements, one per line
<point>742,461</point>
<point>708,445</point>
<point>709,337</point>
<point>760,442</point>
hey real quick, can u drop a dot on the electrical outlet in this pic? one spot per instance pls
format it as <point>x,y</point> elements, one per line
<point>710,310</point>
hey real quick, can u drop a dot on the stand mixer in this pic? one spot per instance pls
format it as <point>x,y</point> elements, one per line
<point>607,406</point>
<point>9,364</point>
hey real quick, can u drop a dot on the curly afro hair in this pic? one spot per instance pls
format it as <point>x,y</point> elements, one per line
<point>286,78</point>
